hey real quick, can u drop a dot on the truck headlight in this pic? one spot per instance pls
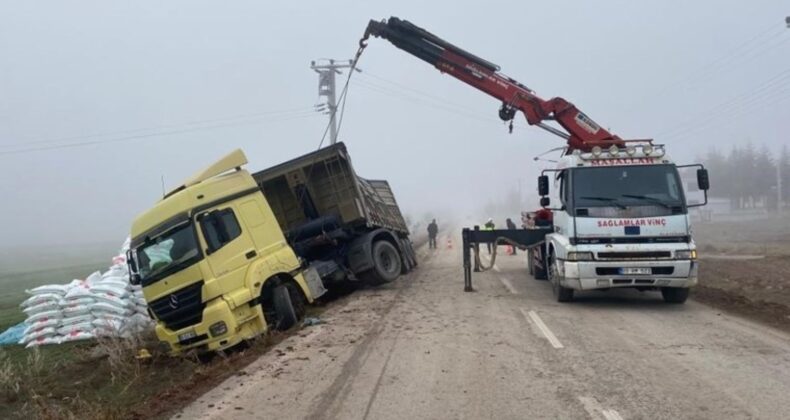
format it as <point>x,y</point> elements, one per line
<point>218,328</point>
<point>579,256</point>
<point>690,254</point>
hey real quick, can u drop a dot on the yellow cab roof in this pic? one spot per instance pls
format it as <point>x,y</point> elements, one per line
<point>211,185</point>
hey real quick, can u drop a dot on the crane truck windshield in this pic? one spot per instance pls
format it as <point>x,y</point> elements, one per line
<point>628,186</point>
<point>172,251</point>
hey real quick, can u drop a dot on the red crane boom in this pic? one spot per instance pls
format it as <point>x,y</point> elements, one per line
<point>581,132</point>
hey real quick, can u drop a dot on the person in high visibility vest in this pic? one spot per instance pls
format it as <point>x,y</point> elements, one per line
<point>489,226</point>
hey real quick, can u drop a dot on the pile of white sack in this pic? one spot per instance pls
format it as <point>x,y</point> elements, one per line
<point>102,305</point>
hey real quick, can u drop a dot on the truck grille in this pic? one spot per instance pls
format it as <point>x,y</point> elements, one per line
<point>634,255</point>
<point>181,308</point>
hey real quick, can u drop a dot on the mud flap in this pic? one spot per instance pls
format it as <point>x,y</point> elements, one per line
<point>314,282</point>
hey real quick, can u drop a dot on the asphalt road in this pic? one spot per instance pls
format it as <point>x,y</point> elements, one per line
<point>421,348</point>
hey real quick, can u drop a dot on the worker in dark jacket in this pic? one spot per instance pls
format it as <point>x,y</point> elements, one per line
<point>433,230</point>
<point>511,226</point>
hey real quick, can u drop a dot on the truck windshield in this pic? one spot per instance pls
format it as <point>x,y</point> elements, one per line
<point>172,251</point>
<point>627,186</point>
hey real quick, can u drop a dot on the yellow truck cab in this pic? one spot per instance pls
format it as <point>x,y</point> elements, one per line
<point>229,255</point>
<point>214,264</point>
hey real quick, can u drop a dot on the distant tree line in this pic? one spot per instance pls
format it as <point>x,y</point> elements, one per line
<point>748,176</point>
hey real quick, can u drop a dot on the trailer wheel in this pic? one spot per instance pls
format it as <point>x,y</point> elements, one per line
<point>675,294</point>
<point>562,294</point>
<point>283,309</point>
<point>412,255</point>
<point>386,264</point>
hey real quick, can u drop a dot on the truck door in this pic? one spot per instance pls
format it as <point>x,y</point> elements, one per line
<point>228,248</point>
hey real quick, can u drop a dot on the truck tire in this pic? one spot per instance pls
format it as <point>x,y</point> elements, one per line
<point>283,309</point>
<point>386,264</point>
<point>562,294</point>
<point>412,255</point>
<point>675,294</point>
<point>538,273</point>
<point>530,263</point>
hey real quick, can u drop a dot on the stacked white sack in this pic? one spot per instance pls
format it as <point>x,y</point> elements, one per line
<point>102,305</point>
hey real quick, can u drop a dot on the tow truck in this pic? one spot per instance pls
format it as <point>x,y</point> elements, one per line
<point>622,218</point>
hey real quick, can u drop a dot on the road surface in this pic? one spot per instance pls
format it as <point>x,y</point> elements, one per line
<point>421,348</point>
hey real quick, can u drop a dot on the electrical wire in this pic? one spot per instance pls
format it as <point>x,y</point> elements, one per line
<point>144,136</point>
<point>284,113</point>
<point>766,88</point>
<point>772,31</point>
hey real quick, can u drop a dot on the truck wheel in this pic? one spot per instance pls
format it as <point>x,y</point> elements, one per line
<point>675,294</point>
<point>530,263</point>
<point>283,309</point>
<point>386,264</point>
<point>405,264</point>
<point>562,294</point>
<point>412,255</point>
<point>538,273</point>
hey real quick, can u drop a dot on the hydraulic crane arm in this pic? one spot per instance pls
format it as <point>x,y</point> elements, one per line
<point>581,131</point>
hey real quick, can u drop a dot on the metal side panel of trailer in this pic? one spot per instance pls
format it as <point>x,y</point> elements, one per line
<point>324,183</point>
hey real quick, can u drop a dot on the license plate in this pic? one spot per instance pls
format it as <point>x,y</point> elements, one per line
<point>187,335</point>
<point>629,271</point>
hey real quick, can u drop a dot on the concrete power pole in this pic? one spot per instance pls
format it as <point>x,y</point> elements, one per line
<point>779,163</point>
<point>326,87</point>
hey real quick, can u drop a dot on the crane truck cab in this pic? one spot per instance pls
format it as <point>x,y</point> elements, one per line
<point>620,220</point>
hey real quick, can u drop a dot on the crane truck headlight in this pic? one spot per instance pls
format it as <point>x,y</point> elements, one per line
<point>659,151</point>
<point>614,150</point>
<point>579,256</point>
<point>647,149</point>
<point>596,151</point>
<point>690,254</point>
<point>630,150</point>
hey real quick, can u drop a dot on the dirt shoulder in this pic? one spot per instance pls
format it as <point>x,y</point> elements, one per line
<point>757,288</point>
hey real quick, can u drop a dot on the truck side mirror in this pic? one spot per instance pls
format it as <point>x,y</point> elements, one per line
<point>543,185</point>
<point>134,275</point>
<point>545,201</point>
<point>134,279</point>
<point>703,182</point>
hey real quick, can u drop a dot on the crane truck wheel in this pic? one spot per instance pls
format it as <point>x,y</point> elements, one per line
<point>538,273</point>
<point>675,294</point>
<point>562,294</point>
<point>285,315</point>
<point>386,264</point>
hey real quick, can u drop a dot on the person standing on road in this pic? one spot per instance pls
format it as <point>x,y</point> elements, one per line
<point>433,230</point>
<point>511,226</point>
<point>489,226</point>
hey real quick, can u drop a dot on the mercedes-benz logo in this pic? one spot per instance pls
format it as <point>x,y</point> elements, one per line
<point>174,301</point>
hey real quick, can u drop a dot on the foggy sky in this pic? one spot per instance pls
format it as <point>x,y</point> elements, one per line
<point>79,72</point>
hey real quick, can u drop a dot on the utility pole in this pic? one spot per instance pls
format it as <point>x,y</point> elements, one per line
<point>779,197</point>
<point>326,87</point>
<point>779,163</point>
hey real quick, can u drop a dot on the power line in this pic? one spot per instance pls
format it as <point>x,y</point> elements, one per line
<point>147,135</point>
<point>287,112</point>
<point>773,99</point>
<point>777,81</point>
<point>772,31</point>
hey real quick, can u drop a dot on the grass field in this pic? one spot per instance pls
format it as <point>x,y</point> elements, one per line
<point>95,379</point>
<point>26,268</point>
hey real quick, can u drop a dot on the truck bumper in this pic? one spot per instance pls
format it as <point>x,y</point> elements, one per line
<point>199,337</point>
<point>591,275</point>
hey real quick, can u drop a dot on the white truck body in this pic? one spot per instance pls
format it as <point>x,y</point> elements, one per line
<point>620,219</point>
